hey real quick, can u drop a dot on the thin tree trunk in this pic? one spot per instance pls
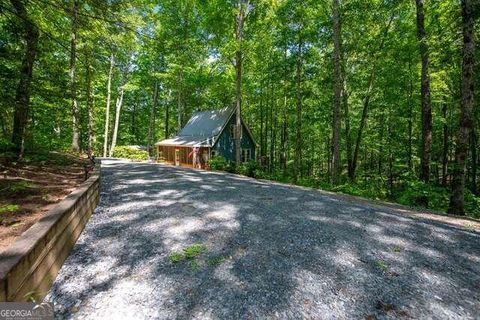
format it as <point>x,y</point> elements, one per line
<point>457,200</point>
<point>238,106</point>
<point>180,102</point>
<point>445,145</point>
<point>425,96</point>
<point>89,104</point>
<point>284,136</point>
<point>410,117</point>
<point>151,122</point>
<point>239,23</point>
<point>22,96</point>
<point>473,148</point>
<point>118,107</point>
<point>380,138</point>
<point>107,111</point>
<point>73,81</point>
<point>262,138</point>
<point>366,101</point>
<point>133,125</point>
<point>298,126</point>
<point>167,114</point>
<point>272,130</point>
<point>337,90</point>
<point>348,132</point>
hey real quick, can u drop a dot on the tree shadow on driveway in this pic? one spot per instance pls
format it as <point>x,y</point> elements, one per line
<point>277,252</point>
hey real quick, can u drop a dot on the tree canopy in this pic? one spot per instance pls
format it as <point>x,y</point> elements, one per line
<point>335,91</point>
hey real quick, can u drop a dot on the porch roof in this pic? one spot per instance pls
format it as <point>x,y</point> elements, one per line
<point>187,141</point>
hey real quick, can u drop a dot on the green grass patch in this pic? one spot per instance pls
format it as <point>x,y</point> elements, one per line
<point>8,208</point>
<point>19,186</point>
<point>193,256</point>
<point>381,265</point>
<point>193,265</point>
<point>176,257</point>
<point>216,260</point>
<point>194,250</point>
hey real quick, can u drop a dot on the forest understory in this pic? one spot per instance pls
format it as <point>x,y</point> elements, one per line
<point>365,97</point>
<point>30,188</point>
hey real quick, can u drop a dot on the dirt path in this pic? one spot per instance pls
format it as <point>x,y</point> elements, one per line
<point>259,249</point>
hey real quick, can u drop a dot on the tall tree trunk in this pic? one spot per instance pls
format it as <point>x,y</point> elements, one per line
<point>22,96</point>
<point>348,132</point>
<point>180,101</point>
<point>133,126</point>
<point>118,107</point>
<point>272,130</point>
<point>298,125</point>
<point>151,122</point>
<point>284,136</point>
<point>425,96</point>
<point>445,145</point>
<point>473,148</point>
<point>380,138</point>
<point>167,114</point>
<point>238,106</point>
<point>89,104</point>
<point>457,200</point>
<point>73,80</point>
<point>366,100</point>
<point>107,110</point>
<point>337,91</point>
<point>410,116</point>
<point>239,23</point>
<point>262,138</point>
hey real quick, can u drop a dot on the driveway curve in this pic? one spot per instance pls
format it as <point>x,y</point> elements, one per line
<point>258,250</point>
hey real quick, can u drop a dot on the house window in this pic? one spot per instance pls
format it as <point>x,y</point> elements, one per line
<point>246,155</point>
<point>214,153</point>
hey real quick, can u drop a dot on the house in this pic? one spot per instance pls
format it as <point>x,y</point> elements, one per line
<point>206,134</point>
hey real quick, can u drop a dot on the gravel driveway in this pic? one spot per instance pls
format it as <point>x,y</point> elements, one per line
<point>268,251</point>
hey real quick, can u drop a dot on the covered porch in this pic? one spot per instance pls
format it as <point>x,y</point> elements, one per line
<point>186,156</point>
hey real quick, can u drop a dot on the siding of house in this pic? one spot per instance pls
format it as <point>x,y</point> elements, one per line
<point>166,154</point>
<point>225,144</point>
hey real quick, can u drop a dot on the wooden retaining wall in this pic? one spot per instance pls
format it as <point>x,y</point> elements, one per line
<point>29,266</point>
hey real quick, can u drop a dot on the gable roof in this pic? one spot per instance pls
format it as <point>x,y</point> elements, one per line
<point>202,129</point>
<point>206,123</point>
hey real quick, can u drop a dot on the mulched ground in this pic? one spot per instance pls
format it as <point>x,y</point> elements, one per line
<point>28,190</point>
<point>174,243</point>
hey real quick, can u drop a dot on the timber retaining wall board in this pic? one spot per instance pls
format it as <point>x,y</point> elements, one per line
<point>29,266</point>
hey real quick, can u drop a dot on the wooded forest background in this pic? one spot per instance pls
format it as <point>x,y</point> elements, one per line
<point>359,96</point>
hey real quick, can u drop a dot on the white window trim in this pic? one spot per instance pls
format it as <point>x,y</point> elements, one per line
<point>246,152</point>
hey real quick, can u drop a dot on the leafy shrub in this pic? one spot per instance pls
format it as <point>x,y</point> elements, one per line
<point>371,188</point>
<point>5,145</point>
<point>130,153</point>
<point>418,193</point>
<point>241,169</point>
<point>307,182</point>
<point>252,167</point>
<point>218,163</point>
<point>472,204</point>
